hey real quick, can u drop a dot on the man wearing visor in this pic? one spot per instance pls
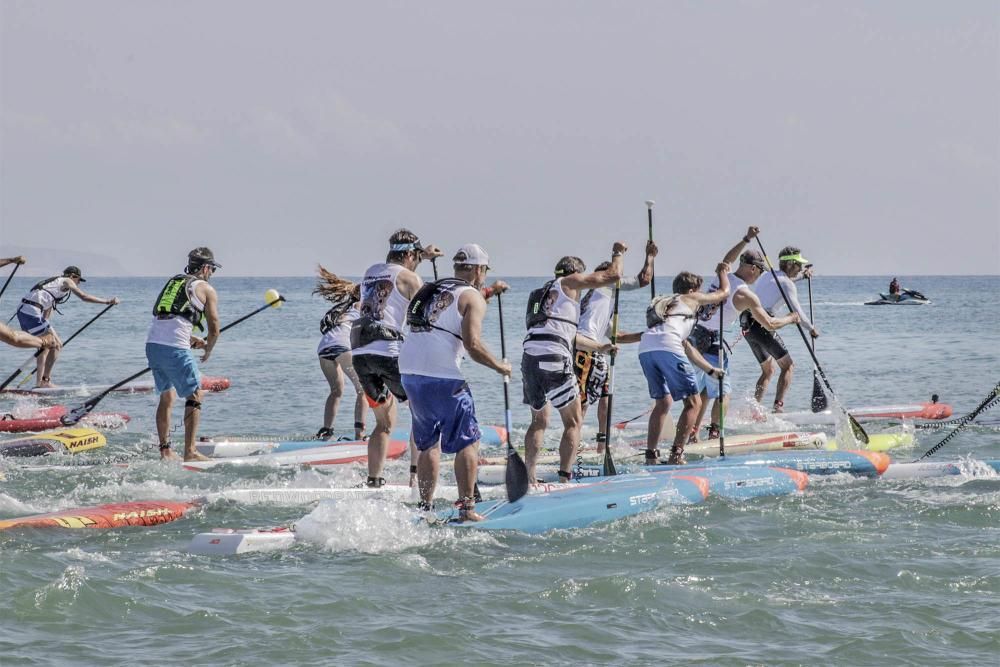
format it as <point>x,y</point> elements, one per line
<point>767,345</point>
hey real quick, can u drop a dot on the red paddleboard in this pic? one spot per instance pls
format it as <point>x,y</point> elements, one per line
<point>114,515</point>
<point>44,419</point>
<point>207,383</point>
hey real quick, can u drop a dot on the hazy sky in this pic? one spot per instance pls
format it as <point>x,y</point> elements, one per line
<point>283,134</point>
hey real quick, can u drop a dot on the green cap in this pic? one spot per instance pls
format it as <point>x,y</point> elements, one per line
<point>797,257</point>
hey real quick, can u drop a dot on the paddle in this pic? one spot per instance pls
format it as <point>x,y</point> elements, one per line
<point>722,403</point>
<point>516,473</point>
<point>609,463</point>
<point>9,278</point>
<point>274,300</point>
<point>652,275</point>
<point>76,333</point>
<point>859,432</point>
<point>626,422</point>
<point>434,265</point>
<point>819,402</point>
<point>988,402</point>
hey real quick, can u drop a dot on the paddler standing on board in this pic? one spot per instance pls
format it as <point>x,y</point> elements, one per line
<point>589,360</point>
<point>766,344</point>
<point>446,323</point>
<point>666,357</point>
<point>186,302</point>
<point>376,337</point>
<point>705,335</point>
<point>553,315</point>
<point>37,306</point>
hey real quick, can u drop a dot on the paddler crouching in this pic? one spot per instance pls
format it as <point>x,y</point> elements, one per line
<point>552,318</point>
<point>186,302</point>
<point>445,319</point>
<point>666,357</point>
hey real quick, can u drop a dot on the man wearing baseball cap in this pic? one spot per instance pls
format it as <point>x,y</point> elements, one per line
<point>705,335</point>
<point>445,318</point>
<point>766,344</point>
<point>37,306</point>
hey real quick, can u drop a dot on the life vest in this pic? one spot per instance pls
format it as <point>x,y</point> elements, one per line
<point>659,310</point>
<point>40,287</point>
<point>335,315</point>
<point>537,315</point>
<point>420,316</point>
<point>175,302</point>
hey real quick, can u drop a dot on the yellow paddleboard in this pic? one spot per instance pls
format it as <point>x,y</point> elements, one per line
<point>878,442</point>
<point>69,440</point>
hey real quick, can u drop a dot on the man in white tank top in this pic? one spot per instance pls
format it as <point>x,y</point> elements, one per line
<point>376,335</point>
<point>36,308</point>
<point>666,355</point>
<point>705,335</point>
<point>547,363</point>
<point>184,303</point>
<point>446,323</point>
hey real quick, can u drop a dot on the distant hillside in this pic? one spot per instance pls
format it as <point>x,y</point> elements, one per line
<point>51,261</point>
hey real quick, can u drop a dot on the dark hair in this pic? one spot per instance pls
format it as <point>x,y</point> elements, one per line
<point>603,266</point>
<point>685,282</point>
<point>401,237</point>
<point>333,288</point>
<point>569,265</point>
<point>787,250</point>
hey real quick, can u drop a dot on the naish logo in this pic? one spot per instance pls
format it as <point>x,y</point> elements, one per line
<point>141,514</point>
<point>83,442</point>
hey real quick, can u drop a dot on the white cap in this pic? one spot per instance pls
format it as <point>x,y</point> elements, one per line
<point>472,253</point>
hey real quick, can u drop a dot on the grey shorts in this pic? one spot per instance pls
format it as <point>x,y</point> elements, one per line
<point>548,378</point>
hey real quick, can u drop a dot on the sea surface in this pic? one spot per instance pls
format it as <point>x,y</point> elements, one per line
<point>848,572</point>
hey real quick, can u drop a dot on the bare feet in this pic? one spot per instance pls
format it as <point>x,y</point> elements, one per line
<point>167,454</point>
<point>195,456</point>
<point>470,515</point>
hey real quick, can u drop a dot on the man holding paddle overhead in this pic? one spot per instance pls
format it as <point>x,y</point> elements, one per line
<point>185,303</point>
<point>766,344</point>
<point>376,336</point>
<point>446,323</point>
<point>547,363</point>
<point>705,335</point>
<point>37,306</point>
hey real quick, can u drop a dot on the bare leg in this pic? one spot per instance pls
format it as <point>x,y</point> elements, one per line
<point>784,381</point>
<point>700,419</point>
<point>766,371</point>
<point>334,378</point>
<point>163,422</point>
<point>570,441</point>
<point>50,361</point>
<point>192,417</point>
<point>533,439</point>
<point>466,465</point>
<point>415,456</point>
<point>378,442</point>
<point>428,465</point>
<point>657,420</point>
<point>344,360</point>
<point>692,404</point>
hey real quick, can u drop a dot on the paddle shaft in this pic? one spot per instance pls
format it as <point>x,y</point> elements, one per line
<point>818,397</point>
<point>855,425</point>
<point>516,474</point>
<point>9,278</point>
<point>722,380</point>
<point>609,463</point>
<point>67,341</point>
<point>990,401</point>
<point>75,415</point>
<point>652,273</point>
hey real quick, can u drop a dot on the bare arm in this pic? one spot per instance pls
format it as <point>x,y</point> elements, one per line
<point>18,338</point>
<point>472,308</point>
<point>75,289</point>
<point>744,299</point>
<point>211,300</point>
<point>734,252</point>
<point>12,260</point>
<point>408,283</point>
<point>645,275</point>
<point>695,356</point>
<point>695,299</point>
<point>605,278</point>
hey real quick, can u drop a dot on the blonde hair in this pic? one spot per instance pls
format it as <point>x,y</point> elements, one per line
<point>333,288</point>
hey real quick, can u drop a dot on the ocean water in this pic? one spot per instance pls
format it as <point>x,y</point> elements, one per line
<point>848,572</point>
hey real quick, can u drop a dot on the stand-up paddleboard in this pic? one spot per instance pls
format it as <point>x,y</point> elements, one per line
<point>750,442</point>
<point>225,447</point>
<point>336,454</point>
<point>877,442</point>
<point>207,384</point>
<point>307,496</point>
<point>924,469</point>
<point>113,515</point>
<point>876,413</point>
<point>229,542</point>
<point>64,441</point>
<point>44,419</point>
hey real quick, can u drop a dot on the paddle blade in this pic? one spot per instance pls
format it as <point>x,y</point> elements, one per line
<point>609,464</point>
<point>819,402</point>
<point>76,414</point>
<point>515,476</point>
<point>859,433</point>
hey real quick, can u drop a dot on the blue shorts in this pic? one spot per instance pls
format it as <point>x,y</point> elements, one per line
<point>173,367</point>
<point>668,373</point>
<point>441,408</point>
<point>711,384</point>
<point>36,326</point>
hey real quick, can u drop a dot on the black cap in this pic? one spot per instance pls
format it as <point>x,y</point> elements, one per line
<point>73,272</point>
<point>202,256</point>
<point>753,258</point>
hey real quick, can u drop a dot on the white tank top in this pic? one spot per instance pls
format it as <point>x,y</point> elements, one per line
<point>564,308</point>
<point>45,296</point>
<point>671,333</point>
<point>340,335</point>
<point>595,314</point>
<point>708,316</point>
<point>381,299</point>
<point>436,353</point>
<point>175,331</point>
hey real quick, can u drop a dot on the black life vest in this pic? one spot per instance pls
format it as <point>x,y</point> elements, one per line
<point>537,315</point>
<point>40,286</point>
<point>174,302</point>
<point>419,312</point>
<point>335,316</point>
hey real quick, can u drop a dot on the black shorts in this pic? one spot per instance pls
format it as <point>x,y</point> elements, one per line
<point>763,343</point>
<point>548,378</point>
<point>379,376</point>
<point>591,370</point>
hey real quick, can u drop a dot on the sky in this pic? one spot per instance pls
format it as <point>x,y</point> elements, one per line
<point>283,135</point>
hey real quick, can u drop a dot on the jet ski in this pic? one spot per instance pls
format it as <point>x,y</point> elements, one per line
<point>906,297</point>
